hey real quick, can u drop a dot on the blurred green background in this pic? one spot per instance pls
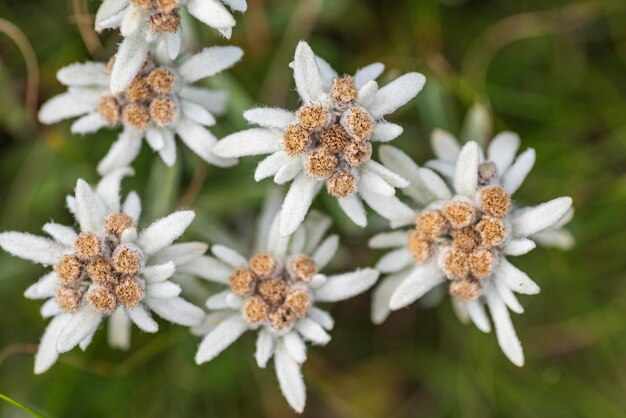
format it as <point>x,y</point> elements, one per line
<point>552,70</point>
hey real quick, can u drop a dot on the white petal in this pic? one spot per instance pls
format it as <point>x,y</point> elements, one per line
<point>396,94</point>
<point>163,290</point>
<point>212,100</point>
<point>237,5</point>
<point>50,308</point>
<point>518,246</point>
<point>89,123</point>
<point>326,251</point>
<point>264,348</point>
<point>142,318</point>
<point>434,184</point>
<point>176,310</point>
<point>421,279</point>
<point>288,171</point>
<point>270,165</point>
<point>445,145</point>
<point>80,326</point>
<point>389,240</point>
<point>389,207</point>
<point>382,295</point>
<point>374,184</point>
<point>516,280</point>
<point>47,353</point>
<point>158,273</point>
<point>321,317</point>
<point>508,297</point>
<point>395,261</point>
<point>168,152</point>
<point>172,43</point>
<point>223,335</point>
<point>290,378</point>
<point>129,236</point>
<point>514,177</point>
<point>229,256</point>
<point>133,17</point>
<point>132,206</point>
<point>477,314</point>
<point>466,176</point>
<point>219,300</point>
<point>389,176</point>
<point>316,225</point>
<point>122,153</point>
<point>502,150</point>
<point>295,346</point>
<point>207,268</point>
<point>211,12</point>
<point>540,217</point>
<point>385,132</point>
<point>367,94</point>
<point>165,231</point>
<point>445,168</point>
<point>558,238</point>
<point>108,9</point>
<point>119,330</point>
<point>63,106</point>
<point>270,117</point>
<point>154,138</point>
<point>297,203</point>
<point>108,188</point>
<point>312,331</point>
<point>353,208</point>
<point>128,61</point>
<point>306,74</point>
<point>31,247</point>
<point>209,61</point>
<point>249,142</point>
<point>180,253</point>
<point>44,287</point>
<point>201,141</point>
<point>62,234</point>
<point>507,339</point>
<point>367,73</point>
<point>347,285</point>
<point>210,321</point>
<point>89,212</point>
<point>197,113</point>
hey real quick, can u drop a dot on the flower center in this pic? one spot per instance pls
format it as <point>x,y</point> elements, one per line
<point>164,17</point>
<point>467,234</point>
<point>273,294</point>
<point>333,138</point>
<point>102,271</point>
<point>148,98</point>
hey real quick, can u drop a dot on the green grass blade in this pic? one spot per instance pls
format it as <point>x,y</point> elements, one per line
<point>22,407</point>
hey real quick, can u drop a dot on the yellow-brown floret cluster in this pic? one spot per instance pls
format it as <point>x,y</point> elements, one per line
<point>468,235</point>
<point>333,139</point>
<point>148,98</point>
<point>274,294</point>
<point>101,272</point>
<point>164,17</point>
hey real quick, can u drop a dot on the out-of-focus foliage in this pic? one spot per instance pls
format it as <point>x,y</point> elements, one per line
<point>553,70</point>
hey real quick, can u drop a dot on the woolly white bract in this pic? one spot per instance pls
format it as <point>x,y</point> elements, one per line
<point>275,293</point>
<point>159,104</point>
<point>328,140</point>
<point>124,278</point>
<point>463,236</point>
<point>156,24</point>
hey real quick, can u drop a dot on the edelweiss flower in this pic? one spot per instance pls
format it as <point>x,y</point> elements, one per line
<point>462,237</point>
<point>328,140</point>
<point>275,293</point>
<point>501,153</point>
<point>107,270</point>
<point>144,23</point>
<point>159,103</point>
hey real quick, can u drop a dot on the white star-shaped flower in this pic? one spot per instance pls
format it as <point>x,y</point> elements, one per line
<point>275,293</point>
<point>462,237</point>
<point>156,25</point>
<point>328,140</point>
<point>107,270</point>
<point>157,105</point>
